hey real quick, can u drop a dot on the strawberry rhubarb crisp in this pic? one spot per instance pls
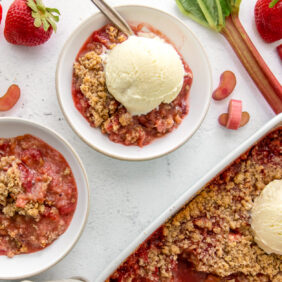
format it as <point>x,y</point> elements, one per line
<point>95,102</point>
<point>38,195</point>
<point>211,238</point>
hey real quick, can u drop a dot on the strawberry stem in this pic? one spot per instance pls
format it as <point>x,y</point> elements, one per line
<point>253,62</point>
<point>273,3</point>
<point>43,17</point>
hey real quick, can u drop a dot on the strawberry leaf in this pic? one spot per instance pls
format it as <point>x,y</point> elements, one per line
<point>53,17</point>
<point>38,22</point>
<point>46,24</point>
<point>273,3</point>
<point>43,16</point>
<point>31,4</point>
<point>53,10</point>
<point>54,26</point>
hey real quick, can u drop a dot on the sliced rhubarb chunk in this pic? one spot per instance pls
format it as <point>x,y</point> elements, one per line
<point>223,118</point>
<point>11,97</point>
<point>234,114</point>
<point>245,119</point>
<point>226,85</point>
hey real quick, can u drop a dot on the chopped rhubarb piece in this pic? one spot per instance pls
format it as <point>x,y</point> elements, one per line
<point>67,209</point>
<point>245,119</point>
<point>32,157</point>
<point>234,114</point>
<point>223,118</point>
<point>226,85</point>
<point>11,97</point>
<point>26,177</point>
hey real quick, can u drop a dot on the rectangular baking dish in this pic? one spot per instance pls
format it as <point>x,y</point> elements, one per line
<point>190,193</point>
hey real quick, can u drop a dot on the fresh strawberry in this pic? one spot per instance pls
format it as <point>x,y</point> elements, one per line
<point>268,17</point>
<point>279,50</point>
<point>0,13</point>
<point>30,23</point>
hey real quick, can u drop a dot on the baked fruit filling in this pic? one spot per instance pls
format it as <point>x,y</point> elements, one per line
<point>38,195</point>
<point>211,238</point>
<point>102,110</point>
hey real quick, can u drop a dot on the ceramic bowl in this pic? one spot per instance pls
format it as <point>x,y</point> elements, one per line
<point>24,265</point>
<point>186,43</point>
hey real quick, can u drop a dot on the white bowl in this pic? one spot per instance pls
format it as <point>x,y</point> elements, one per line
<point>192,51</point>
<point>25,265</point>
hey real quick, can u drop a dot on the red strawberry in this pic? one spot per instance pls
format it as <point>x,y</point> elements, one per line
<point>268,17</point>
<point>279,50</point>
<point>0,13</point>
<point>30,23</point>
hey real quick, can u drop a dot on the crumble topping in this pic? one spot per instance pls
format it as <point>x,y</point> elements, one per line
<point>90,71</point>
<point>12,199</point>
<point>216,235</point>
<point>212,232</point>
<point>115,36</point>
<point>10,183</point>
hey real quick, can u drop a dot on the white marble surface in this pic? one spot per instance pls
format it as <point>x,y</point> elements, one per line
<point>127,196</point>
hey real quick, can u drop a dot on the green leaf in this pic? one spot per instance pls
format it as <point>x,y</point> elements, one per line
<point>46,24</point>
<point>54,26</point>
<point>40,4</point>
<point>31,4</point>
<point>192,10</point>
<point>53,10</point>
<point>211,13</point>
<point>37,22</point>
<point>235,4</point>
<point>55,18</point>
<point>273,3</point>
<point>209,9</point>
<point>225,7</point>
<point>42,15</point>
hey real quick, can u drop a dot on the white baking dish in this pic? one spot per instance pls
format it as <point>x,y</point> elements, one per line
<point>190,193</point>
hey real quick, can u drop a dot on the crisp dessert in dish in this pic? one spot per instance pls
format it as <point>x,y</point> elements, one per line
<point>211,238</point>
<point>134,89</point>
<point>38,195</point>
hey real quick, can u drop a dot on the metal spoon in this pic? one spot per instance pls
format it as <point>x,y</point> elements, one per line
<point>113,16</point>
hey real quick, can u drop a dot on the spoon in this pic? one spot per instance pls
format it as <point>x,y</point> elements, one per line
<point>113,16</point>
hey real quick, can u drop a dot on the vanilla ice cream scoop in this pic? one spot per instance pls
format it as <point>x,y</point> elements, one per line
<point>266,219</point>
<point>141,73</point>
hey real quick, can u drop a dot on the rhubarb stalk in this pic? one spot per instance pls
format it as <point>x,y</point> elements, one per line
<point>223,16</point>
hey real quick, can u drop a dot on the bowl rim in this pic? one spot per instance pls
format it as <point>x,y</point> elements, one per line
<point>99,149</point>
<point>84,174</point>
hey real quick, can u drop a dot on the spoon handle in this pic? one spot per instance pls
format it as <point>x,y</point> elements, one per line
<point>113,16</point>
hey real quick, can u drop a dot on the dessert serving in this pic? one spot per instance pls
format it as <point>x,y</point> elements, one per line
<point>38,195</point>
<point>230,231</point>
<point>135,89</point>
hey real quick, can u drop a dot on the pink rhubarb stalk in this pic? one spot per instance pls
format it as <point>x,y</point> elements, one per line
<point>262,76</point>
